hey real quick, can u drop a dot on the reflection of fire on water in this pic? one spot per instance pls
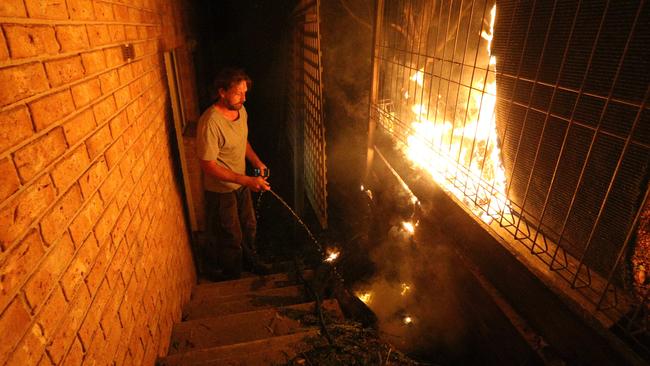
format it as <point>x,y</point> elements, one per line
<point>461,153</point>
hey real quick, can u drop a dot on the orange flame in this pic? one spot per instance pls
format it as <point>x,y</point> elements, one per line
<point>463,156</point>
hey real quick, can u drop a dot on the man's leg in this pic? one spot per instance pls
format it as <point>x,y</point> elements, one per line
<point>229,235</point>
<point>249,229</point>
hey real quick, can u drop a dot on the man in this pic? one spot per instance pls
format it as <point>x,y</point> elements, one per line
<point>222,147</point>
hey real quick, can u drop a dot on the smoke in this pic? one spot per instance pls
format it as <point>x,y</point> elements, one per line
<point>416,290</point>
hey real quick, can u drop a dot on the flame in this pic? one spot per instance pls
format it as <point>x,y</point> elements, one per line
<point>332,255</point>
<point>405,289</point>
<point>407,320</point>
<point>462,154</point>
<point>366,297</point>
<point>408,226</point>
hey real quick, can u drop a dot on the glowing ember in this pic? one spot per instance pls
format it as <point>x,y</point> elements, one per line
<point>461,152</point>
<point>332,254</point>
<point>405,288</point>
<point>366,297</point>
<point>408,226</point>
<point>407,320</point>
<point>363,188</point>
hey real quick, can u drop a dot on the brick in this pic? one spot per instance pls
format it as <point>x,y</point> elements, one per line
<point>86,92</point>
<point>110,185</point>
<point>114,153</point>
<point>109,81</point>
<point>70,167</point>
<point>15,126</point>
<point>67,332</point>
<point>119,124</point>
<point>76,354</point>
<point>25,80</point>
<point>79,126</point>
<point>80,266</point>
<point>4,51</point>
<point>103,11</point>
<point>81,9</point>
<point>30,40</point>
<point>9,182</point>
<point>121,13</point>
<point>106,222</point>
<point>86,219</point>
<point>96,275</point>
<point>126,74</point>
<point>93,178</point>
<point>45,361</point>
<point>91,323</point>
<point>72,37</point>
<point>14,322</point>
<point>97,142</point>
<point>30,349</point>
<point>46,9</point>
<point>55,222</point>
<point>51,108</point>
<point>94,61</point>
<point>135,15</point>
<point>48,272</point>
<point>19,263</point>
<point>53,311</point>
<point>98,35</point>
<point>31,159</point>
<point>122,97</point>
<point>131,32</point>
<point>114,56</point>
<point>16,217</point>
<point>65,70</point>
<point>117,32</point>
<point>104,109</point>
<point>12,8</point>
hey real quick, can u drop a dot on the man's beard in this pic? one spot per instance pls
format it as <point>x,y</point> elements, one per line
<point>234,107</point>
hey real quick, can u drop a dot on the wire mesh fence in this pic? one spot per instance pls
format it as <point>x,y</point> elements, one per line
<point>535,116</point>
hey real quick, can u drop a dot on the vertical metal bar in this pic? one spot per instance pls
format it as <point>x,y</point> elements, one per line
<point>426,60</point>
<point>566,135</point>
<point>628,237</point>
<point>442,65</point>
<point>620,159</point>
<point>546,119</point>
<point>541,136</point>
<point>478,44</point>
<point>374,88</point>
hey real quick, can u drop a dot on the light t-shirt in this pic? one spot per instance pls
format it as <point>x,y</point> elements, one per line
<point>223,141</point>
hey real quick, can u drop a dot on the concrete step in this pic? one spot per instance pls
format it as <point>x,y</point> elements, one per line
<point>245,327</point>
<point>207,305</point>
<point>262,352</point>
<point>248,284</point>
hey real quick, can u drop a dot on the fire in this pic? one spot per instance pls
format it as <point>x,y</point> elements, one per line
<point>409,227</point>
<point>332,255</point>
<point>405,289</point>
<point>366,297</point>
<point>407,320</point>
<point>461,153</point>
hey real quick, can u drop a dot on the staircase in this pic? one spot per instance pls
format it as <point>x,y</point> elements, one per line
<point>252,321</point>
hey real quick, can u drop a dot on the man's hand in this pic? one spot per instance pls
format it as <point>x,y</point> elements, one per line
<point>256,184</point>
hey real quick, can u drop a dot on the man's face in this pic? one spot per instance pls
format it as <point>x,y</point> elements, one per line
<point>235,96</point>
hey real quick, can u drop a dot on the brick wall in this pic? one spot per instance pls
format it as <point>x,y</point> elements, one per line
<point>94,254</point>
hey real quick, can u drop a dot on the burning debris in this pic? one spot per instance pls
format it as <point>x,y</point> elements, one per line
<point>353,345</point>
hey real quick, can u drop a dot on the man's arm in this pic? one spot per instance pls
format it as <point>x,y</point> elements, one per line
<point>252,157</point>
<point>256,184</point>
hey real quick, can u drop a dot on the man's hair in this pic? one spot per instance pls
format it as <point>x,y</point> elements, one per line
<point>228,77</point>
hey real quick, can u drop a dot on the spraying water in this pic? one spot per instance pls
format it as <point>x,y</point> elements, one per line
<point>295,215</point>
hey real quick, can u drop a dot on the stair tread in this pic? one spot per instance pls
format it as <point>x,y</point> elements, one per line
<point>244,327</point>
<point>209,306</point>
<point>267,351</point>
<point>248,284</point>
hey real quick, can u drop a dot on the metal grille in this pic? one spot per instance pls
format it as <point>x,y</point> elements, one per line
<point>306,106</point>
<point>558,90</point>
